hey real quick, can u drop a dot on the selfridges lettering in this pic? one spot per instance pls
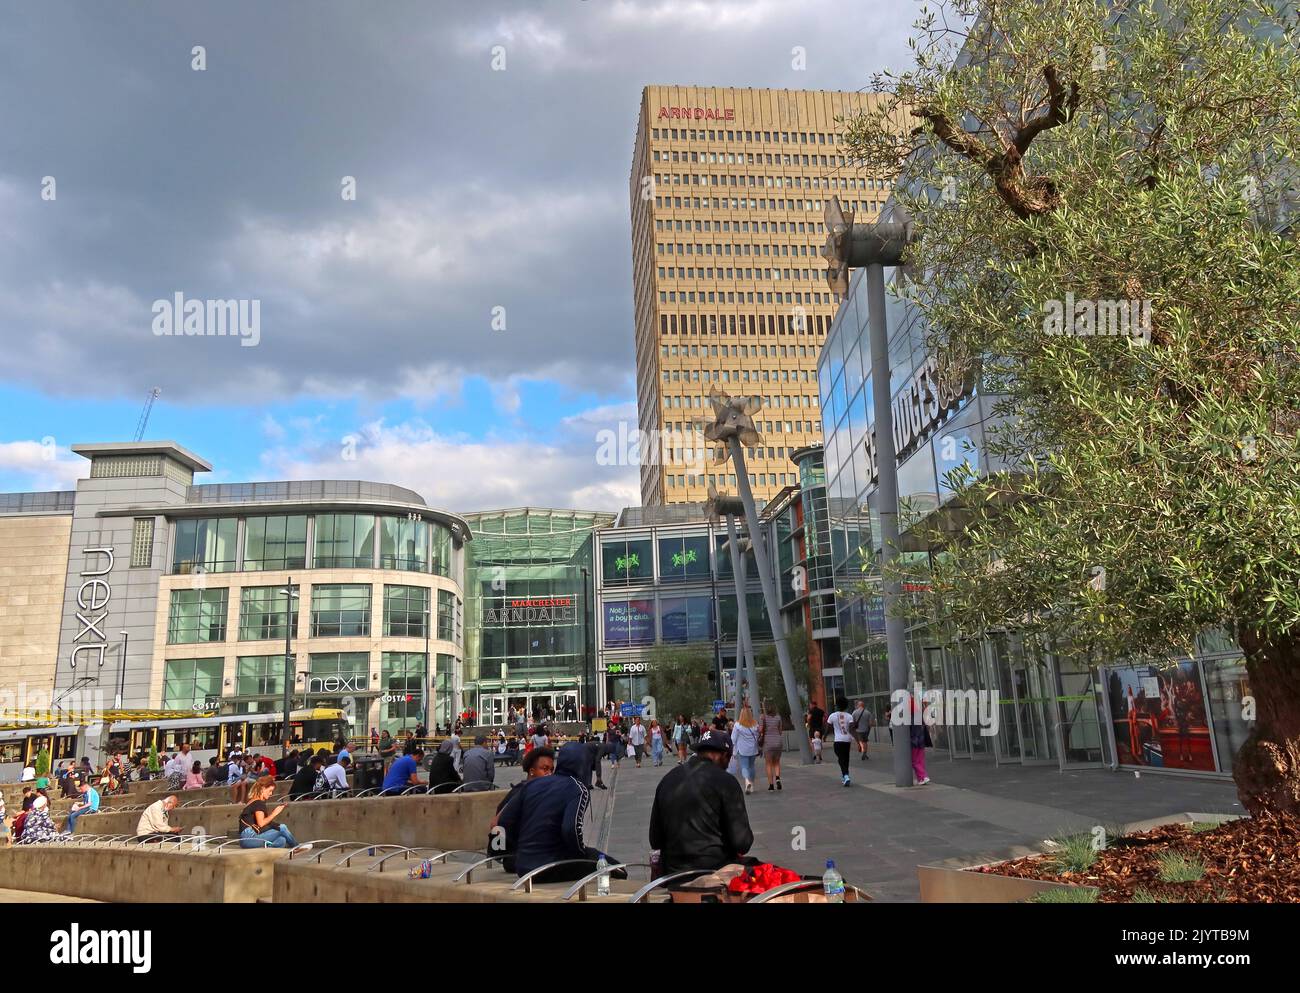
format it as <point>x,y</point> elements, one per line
<point>550,610</point>
<point>917,409</point>
<point>92,598</point>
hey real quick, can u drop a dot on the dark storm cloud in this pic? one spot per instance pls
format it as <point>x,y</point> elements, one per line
<point>476,188</point>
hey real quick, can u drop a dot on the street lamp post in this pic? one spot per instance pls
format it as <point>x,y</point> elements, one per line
<point>121,672</point>
<point>586,639</point>
<point>733,427</point>
<point>874,246</point>
<point>290,595</point>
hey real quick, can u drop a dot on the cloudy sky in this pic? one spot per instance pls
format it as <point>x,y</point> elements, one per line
<point>476,189</point>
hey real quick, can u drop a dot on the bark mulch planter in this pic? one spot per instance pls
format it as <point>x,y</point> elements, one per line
<point>1249,860</point>
<point>1223,860</point>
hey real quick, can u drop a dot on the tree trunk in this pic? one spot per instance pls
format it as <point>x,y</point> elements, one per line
<point>1267,768</point>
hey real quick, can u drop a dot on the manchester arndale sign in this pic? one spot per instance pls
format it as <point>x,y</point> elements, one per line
<point>534,610</point>
<point>696,114</point>
<point>92,604</point>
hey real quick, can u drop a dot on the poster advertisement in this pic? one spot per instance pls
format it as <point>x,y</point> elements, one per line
<point>1159,716</point>
<point>630,622</point>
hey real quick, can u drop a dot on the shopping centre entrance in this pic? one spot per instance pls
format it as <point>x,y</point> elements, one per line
<point>494,708</point>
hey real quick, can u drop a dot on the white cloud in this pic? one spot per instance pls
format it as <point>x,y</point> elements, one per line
<point>42,465</point>
<point>456,473</point>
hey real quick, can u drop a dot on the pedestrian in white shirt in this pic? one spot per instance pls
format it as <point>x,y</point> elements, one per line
<point>636,738</point>
<point>336,773</point>
<point>841,722</point>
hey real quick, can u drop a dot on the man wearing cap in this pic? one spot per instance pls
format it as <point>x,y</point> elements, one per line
<point>698,820</point>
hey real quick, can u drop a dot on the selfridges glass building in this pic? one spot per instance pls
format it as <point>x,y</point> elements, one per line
<point>528,590</point>
<point>1183,716</point>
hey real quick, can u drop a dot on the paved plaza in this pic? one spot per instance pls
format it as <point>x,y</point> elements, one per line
<point>878,833</point>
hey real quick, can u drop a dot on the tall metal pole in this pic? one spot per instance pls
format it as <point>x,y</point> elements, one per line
<point>121,674</point>
<point>429,722</point>
<point>289,617</point>
<point>769,591</point>
<point>887,508</point>
<point>586,640</point>
<point>742,608</point>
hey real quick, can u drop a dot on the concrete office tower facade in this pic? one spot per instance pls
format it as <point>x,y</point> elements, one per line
<point>727,190</point>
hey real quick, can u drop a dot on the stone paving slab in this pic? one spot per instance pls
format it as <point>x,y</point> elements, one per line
<point>878,833</point>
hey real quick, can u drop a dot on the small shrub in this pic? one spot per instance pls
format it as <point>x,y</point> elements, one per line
<point>42,765</point>
<point>1144,895</point>
<point>1065,894</point>
<point>1074,852</point>
<point>1201,827</point>
<point>1178,868</point>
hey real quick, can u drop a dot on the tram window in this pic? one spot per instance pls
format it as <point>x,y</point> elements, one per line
<point>262,735</point>
<point>11,751</point>
<point>65,747</point>
<point>197,737</point>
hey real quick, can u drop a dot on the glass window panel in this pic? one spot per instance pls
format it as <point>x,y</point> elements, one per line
<point>403,544</point>
<point>405,611</point>
<point>629,622</point>
<point>340,611</point>
<point>188,683</point>
<point>344,541</point>
<point>275,543</point>
<point>205,544</point>
<point>197,616</point>
<point>627,561</point>
<point>264,613</point>
<point>684,558</point>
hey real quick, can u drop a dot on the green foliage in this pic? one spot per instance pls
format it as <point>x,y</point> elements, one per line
<point>1178,868</point>
<point>1144,895</point>
<point>1065,894</point>
<point>770,684</point>
<point>1200,827</point>
<point>1136,491</point>
<point>42,766</point>
<point>154,765</point>
<point>679,681</point>
<point>1074,853</point>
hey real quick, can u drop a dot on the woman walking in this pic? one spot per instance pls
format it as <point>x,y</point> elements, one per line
<point>681,737</point>
<point>841,722</point>
<point>769,741</point>
<point>744,737</point>
<point>656,743</point>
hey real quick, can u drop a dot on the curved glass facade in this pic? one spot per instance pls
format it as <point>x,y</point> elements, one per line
<point>525,594</point>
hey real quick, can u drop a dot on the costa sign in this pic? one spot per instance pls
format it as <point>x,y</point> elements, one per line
<point>696,114</point>
<point>92,598</point>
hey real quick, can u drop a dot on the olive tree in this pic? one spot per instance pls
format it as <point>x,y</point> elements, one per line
<point>1103,198</point>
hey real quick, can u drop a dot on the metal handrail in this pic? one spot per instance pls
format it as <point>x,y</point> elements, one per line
<point>526,880</point>
<point>380,864</point>
<point>433,790</point>
<point>654,884</point>
<point>347,862</point>
<point>412,790</point>
<point>368,791</point>
<point>483,786</point>
<point>443,856</point>
<point>580,887</point>
<point>794,887</point>
<point>333,844</point>
<point>468,874</point>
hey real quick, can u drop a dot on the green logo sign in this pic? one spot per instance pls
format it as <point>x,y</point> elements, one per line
<point>680,560</point>
<point>626,563</point>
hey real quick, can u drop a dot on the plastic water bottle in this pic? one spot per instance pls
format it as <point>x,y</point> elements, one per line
<point>602,881</point>
<point>833,883</point>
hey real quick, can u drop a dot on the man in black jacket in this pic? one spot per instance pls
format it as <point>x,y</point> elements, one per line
<point>698,820</point>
